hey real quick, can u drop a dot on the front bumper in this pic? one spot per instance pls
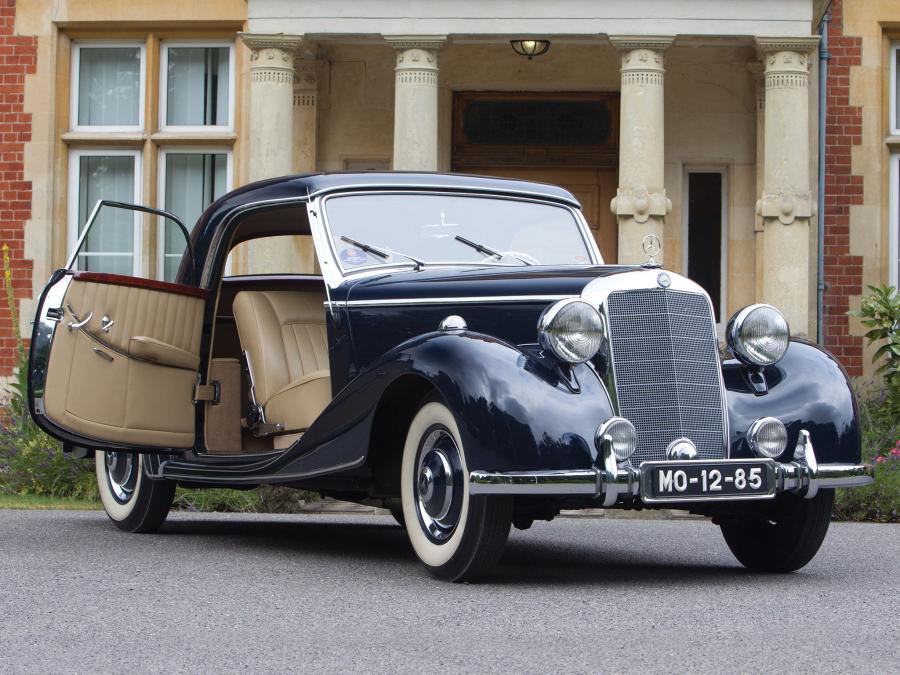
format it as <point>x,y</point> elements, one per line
<point>804,476</point>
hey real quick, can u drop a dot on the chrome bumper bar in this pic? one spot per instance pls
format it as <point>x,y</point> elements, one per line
<point>804,475</point>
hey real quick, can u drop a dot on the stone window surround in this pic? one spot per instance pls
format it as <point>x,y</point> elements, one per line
<point>150,140</point>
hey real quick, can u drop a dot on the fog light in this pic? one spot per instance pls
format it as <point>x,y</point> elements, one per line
<point>767,437</point>
<point>622,435</point>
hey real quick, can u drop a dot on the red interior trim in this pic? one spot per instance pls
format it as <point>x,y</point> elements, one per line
<point>152,284</point>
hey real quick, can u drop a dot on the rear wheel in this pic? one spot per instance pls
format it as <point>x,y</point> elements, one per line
<point>131,500</point>
<point>783,539</point>
<point>457,536</point>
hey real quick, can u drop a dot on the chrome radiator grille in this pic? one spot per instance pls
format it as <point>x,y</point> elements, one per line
<point>666,364</point>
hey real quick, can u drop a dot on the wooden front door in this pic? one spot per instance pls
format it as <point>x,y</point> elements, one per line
<point>566,139</point>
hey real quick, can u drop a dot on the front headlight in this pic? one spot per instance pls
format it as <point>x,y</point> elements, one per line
<point>571,329</point>
<point>758,335</point>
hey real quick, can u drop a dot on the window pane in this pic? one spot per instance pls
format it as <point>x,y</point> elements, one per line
<point>705,234</point>
<point>109,86</point>
<point>897,88</point>
<point>197,86</point>
<point>193,182</point>
<point>109,246</point>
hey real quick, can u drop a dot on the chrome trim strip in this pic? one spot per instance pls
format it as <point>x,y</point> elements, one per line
<point>453,301</point>
<point>574,482</point>
<point>45,330</point>
<point>444,187</point>
<point>804,477</point>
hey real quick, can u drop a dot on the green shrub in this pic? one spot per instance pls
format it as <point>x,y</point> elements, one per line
<point>879,312</point>
<point>880,501</point>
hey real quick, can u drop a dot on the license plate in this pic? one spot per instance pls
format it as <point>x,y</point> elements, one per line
<point>700,481</point>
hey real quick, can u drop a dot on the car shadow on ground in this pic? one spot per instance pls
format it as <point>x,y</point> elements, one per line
<point>526,560</point>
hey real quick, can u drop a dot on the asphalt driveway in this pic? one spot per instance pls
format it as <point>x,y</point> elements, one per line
<point>220,593</point>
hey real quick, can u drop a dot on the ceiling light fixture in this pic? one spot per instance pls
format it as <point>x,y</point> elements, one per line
<point>530,48</point>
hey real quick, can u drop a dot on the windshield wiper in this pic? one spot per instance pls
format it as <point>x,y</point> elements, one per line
<point>481,248</point>
<point>385,255</point>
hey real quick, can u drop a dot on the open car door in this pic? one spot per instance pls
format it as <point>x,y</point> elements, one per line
<point>114,358</point>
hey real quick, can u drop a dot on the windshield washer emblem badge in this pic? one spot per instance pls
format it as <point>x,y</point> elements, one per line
<point>664,280</point>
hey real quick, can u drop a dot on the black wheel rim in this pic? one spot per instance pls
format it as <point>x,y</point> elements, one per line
<point>122,474</point>
<point>438,484</point>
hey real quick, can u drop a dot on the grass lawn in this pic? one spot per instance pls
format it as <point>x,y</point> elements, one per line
<point>44,503</point>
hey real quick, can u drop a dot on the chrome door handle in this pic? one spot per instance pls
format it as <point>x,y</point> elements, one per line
<point>106,323</point>
<point>73,325</point>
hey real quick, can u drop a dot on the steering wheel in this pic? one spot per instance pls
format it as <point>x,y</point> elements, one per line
<point>518,255</point>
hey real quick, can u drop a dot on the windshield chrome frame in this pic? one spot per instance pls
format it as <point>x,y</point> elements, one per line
<point>334,274</point>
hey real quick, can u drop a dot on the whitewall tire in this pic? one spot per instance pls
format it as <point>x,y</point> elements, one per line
<point>131,500</point>
<point>455,535</point>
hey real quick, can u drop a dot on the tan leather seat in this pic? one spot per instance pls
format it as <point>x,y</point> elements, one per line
<point>283,334</point>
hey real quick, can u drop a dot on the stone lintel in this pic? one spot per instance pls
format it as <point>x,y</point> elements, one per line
<point>416,41</point>
<point>654,42</point>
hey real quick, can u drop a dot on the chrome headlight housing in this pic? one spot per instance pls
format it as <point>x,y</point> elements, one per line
<point>571,329</point>
<point>767,437</point>
<point>758,335</point>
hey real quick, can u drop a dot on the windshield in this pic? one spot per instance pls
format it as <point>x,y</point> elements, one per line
<point>377,229</point>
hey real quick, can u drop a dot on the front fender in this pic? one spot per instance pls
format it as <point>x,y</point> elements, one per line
<point>514,408</point>
<point>807,389</point>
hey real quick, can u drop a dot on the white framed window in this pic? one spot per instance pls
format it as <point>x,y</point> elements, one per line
<point>894,221</point>
<point>190,179</point>
<point>705,233</point>
<point>196,81</point>
<point>108,86</point>
<point>895,88</point>
<point>113,243</point>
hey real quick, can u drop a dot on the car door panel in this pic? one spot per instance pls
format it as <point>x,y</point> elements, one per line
<point>106,385</point>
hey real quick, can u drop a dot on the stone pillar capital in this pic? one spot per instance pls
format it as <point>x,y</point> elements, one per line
<point>657,43</point>
<point>426,42</point>
<point>801,45</point>
<point>272,56</point>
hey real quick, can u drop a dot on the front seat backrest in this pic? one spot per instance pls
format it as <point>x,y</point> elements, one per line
<point>283,333</point>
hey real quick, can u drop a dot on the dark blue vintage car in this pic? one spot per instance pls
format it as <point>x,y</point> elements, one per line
<point>465,359</point>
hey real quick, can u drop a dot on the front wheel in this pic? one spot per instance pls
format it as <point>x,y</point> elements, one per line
<point>784,538</point>
<point>131,500</point>
<point>457,536</point>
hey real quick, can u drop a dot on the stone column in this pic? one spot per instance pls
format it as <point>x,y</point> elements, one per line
<point>640,204</point>
<point>416,102</point>
<point>756,70</point>
<point>306,91</point>
<point>786,203</point>
<point>271,143</point>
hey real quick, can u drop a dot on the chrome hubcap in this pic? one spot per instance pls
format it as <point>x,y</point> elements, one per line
<point>438,484</point>
<point>122,474</point>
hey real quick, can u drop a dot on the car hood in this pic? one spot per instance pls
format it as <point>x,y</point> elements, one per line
<point>539,282</point>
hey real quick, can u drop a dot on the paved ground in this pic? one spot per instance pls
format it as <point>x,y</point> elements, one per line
<point>218,593</point>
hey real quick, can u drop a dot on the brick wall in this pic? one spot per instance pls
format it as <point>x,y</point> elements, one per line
<point>18,58</point>
<point>843,129</point>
